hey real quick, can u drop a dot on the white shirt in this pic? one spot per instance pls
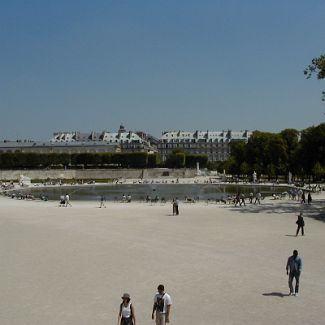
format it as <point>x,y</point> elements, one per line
<point>167,300</point>
<point>126,310</point>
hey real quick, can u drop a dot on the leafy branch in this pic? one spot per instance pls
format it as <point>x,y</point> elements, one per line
<point>317,67</point>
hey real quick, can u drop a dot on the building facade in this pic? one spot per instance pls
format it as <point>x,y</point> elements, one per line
<point>214,144</point>
<point>126,141</point>
<point>93,142</point>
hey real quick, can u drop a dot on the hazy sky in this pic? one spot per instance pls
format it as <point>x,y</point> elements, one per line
<point>158,65</point>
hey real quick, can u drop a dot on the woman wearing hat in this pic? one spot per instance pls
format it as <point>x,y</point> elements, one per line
<point>126,315</point>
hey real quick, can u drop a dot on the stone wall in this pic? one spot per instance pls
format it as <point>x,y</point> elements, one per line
<point>89,174</point>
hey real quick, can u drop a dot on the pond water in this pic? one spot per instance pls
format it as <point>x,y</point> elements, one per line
<point>140,191</point>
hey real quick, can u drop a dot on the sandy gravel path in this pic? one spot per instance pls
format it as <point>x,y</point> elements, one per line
<point>221,265</point>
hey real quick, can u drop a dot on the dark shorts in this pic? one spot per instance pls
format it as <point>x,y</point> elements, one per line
<point>127,321</point>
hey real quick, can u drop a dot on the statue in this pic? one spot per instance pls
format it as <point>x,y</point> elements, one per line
<point>198,172</point>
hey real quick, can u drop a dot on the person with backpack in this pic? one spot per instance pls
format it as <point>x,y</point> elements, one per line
<point>126,314</point>
<point>161,306</point>
<point>300,224</point>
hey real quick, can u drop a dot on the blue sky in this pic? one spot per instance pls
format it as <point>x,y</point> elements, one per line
<point>158,65</point>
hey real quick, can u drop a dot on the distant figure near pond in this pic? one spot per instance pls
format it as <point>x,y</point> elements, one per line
<point>309,199</point>
<point>175,207</point>
<point>258,198</point>
<point>67,200</point>
<point>102,201</point>
<point>303,198</point>
<point>62,201</point>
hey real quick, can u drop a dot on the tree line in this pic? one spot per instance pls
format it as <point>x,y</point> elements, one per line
<point>19,160</point>
<point>275,154</point>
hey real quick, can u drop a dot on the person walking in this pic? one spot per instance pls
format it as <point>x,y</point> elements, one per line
<point>102,201</point>
<point>126,315</point>
<point>294,269</point>
<point>300,224</point>
<point>237,199</point>
<point>309,199</point>
<point>67,200</point>
<point>62,201</point>
<point>176,206</point>
<point>161,306</point>
<point>303,198</point>
<point>258,198</point>
<point>242,200</point>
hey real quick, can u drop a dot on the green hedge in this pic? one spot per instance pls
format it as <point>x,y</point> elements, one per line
<point>17,160</point>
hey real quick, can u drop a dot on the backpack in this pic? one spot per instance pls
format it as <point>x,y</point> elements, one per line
<point>300,221</point>
<point>160,303</point>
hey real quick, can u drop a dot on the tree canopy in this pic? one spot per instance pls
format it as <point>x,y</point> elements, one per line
<point>274,154</point>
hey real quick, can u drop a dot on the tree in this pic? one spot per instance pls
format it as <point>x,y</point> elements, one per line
<point>318,171</point>
<point>154,160</point>
<point>191,160</point>
<point>317,67</point>
<point>312,148</point>
<point>291,139</point>
<point>263,149</point>
<point>244,168</point>
<point>175,160</point>
<point>271,171</point>
<point>238,153</point>
<point>277,154</point>
<point>106,158</point>
<point>137,159</point>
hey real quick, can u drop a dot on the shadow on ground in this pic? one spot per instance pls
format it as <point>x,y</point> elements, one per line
<point>275,294</point>
<point>316,210</point>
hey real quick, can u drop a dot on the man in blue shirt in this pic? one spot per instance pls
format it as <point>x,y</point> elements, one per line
<point>294,269</point>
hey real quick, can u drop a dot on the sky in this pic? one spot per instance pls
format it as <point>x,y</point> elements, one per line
<point>158,65</point>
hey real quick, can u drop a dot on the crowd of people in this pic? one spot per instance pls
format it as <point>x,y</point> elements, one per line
<point>297,194</point>
<point>7,186</point>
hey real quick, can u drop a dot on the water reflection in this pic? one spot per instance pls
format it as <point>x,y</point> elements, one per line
<point>139,192</point>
